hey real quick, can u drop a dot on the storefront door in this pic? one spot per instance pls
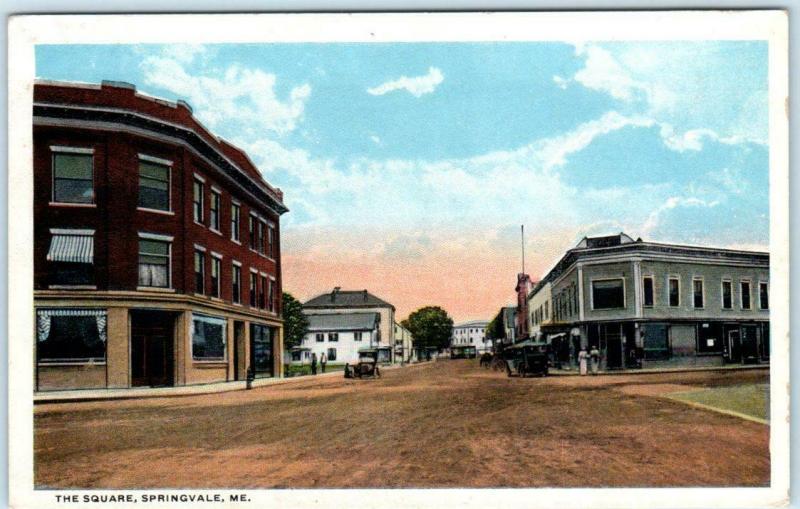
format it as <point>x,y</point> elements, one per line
<point>152,360</point>
<point>261,351</point>
<point>734,350</point>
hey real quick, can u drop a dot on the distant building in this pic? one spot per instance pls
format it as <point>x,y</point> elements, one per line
<point>645,304</point>
<point>352,302</point>
<point>339,336</point>
<point>506,317</point>
<point>471,333</point>
<point>403,345</point>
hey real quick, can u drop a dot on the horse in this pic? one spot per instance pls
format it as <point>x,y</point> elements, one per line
<point>486,360</point>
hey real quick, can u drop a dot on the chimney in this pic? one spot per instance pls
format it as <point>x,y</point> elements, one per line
<point>365,296</point>
<point>334,292</point>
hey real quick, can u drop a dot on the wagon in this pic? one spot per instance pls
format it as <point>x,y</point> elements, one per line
<point>366,367</point>
<point>526,358</point>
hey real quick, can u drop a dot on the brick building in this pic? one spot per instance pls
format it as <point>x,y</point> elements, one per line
<point>646,304</point>
<point>156,245</point>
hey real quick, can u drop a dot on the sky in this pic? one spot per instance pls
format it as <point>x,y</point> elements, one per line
<point>408,168</point>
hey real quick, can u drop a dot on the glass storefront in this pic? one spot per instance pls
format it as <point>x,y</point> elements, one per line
<point>262,351</point>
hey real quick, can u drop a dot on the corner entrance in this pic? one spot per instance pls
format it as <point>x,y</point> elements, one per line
<point>262,351</point>
<point>152,352</point>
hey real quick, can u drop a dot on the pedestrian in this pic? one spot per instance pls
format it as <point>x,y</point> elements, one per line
<point>313,363</point>
<point>322,361</point>
<point>594,353</point>
<point>582,358</point>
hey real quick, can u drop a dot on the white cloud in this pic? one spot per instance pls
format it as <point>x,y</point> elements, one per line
<point>416,86</point>
<point>184,53</point>
<point>375,139</point>
<point>654,219</point>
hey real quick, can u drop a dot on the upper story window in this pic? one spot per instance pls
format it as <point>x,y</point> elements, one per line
<point>253,283</point>
<point>697,286</point>
<point>763,295</point>
<point>214,219</point>
<point>154,261</point>
<point>357,336</point>
<point>73,175</point>
<point>674,292</point>
<point>236,212</point>
<point>199,271</point>
<point>198,189</point>
<point>333,337</point>
<point>260,240</point>
<point>727,295</point>
<point>271,296</point>
<point>216,269</point>
<point>71,257</point>
<point>154,183</point>
<point>744,286</point>
<point>271,241</point>
<point>236,283</point>
<point>608,294</point>
<point>649,293</point>
<point>252,232</point>
<point>320,337</point>
<point>262,292</point>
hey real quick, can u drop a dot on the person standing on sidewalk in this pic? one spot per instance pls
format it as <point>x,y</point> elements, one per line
<point>594,353</point>
<point>322,361</point>
<point>582,359</point>
<point>313,363</point>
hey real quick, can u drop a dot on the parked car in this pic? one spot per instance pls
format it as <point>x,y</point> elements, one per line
<point>366,367</point>
<point>526,358</point>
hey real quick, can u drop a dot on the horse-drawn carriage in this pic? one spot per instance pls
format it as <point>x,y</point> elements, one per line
<point>526,358</point>
<point>366,367</point>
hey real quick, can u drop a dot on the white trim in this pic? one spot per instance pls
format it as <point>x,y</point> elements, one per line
<point>237,263</point>
<point>157,289</point>
<point>156,160</point>
<point>253,271</point>
<point>156,236</point>
<point>638,297</point>
<point>199,177</point>
<point>156,211</point>
<point>198,247</point>
<point>216,255</point>
<point>68,204</point>
<point>71,150</point>
<point>678,279</point>
<point>603,278</point>
<point>272,278</point>
<point>264,274</point>
<point>580,291</point>
<point>65,231</point>
<point>722,293</point>
<point>702,293</point>
<point>213,230</point>
<point>72,287</point>
<point>236,202</point>
<point>215,189</point>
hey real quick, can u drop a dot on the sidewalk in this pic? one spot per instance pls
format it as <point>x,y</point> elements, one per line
<point>183,390</point>
<point>647,371</point>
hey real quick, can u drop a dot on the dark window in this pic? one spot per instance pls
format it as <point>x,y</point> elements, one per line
<point>236,284</point>
<point>262,290</point>
<point>73,178</point>
<point>260,240</point>
<point>357,336</point>
<point>252,233</point>
<point>656,341</point>
<point>214,210</point>
<point>199,271</point>
<point>320,337</point>
<point>608,294</point>
<point>208,338</point>
<point>698,293</point>
<point>745,288</point>
<point>153,263</point>
<point>331,354</point>
<point>709,338</point>
<point>271,242</point>
<point>647,286</point>
<point>71,335</point>
<point>674,292</point>
<point>197,201</point>
<point>727,290</point>
<point>153,186</point>
<point>235,217</point>
<point>763,295</point>
<point>253,289</point>
<point>70,273</point>
<point>333,336</point>
<point>271,295</point>
<point>215,276</point>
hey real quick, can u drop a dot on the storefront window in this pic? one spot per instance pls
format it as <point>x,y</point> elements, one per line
<point>709,337</point>
<point>208,338</point>
<point>656,341</point>
<point>71,335</point>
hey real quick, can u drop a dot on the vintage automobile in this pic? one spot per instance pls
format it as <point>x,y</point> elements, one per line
<point>526,358</point>
<point>366,367</point>
<point>463,352</point>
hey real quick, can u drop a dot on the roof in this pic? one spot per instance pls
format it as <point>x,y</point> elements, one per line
<point>346,299</point>
<point>471,323</point>
<point>342,322</point>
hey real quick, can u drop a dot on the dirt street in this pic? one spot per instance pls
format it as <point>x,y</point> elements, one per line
<point>444,424</point>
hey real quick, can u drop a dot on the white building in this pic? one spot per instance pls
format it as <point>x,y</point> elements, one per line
<point>472,333</point>
<point>403,348</point>
<point>340,336</point>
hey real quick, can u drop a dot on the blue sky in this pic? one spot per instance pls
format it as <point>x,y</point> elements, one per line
<point>414,155</point>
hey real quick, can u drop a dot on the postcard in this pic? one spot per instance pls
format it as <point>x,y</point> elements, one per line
<point>399,260</point>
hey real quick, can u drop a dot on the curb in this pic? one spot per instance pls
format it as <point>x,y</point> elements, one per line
<point>656,371</point>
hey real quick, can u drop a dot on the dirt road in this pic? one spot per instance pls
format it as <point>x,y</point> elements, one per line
<point>444,424</point>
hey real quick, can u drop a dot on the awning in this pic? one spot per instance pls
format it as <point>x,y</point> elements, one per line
<point>75,247</point>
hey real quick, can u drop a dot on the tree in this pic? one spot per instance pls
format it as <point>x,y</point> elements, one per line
<point>496,328</point>
<point>430,326</point>
<point>295,322</point>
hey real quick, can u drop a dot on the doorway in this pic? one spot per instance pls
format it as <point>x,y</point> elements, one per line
<point>262,356</point>
<point>734,346</point>
<point>152,346</point>
<point>749,344</point>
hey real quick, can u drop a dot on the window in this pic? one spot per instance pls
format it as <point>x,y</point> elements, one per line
<point>674,292</point>
<point>73,178</point>
<point>763,295</point>
<point>608,294</point>
<point>154,263</point>
<point>235,216</point>
<point>744,286</point>
<point>71,257</point>
<point>271,295</point>
<point>197,201</point>
<point>320,337</point>
<point>647,287</point>
<point>270,241</point>
<point>208,338</point>
<point>236,284</point>
<point>253,277</point>
<point>697,285</point>
<point>215,276</point>
<point>727,290</point>
<point>260,239</point>
<point>199,271</point>
<point>333,336</point>
<point>153,185</point>
<point>71,335</point>
<point>546,310</point>
<point>709,337</point>
<point>656,341</point>
<point>214,210</point>
<point>357,336</point>
<point>331,354</point>
<point>262,290</point>
<point>252,233</point>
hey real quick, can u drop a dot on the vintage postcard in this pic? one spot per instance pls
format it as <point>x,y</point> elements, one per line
<point>399,260</point>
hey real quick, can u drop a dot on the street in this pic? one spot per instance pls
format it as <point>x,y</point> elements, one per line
<point>441,424</point>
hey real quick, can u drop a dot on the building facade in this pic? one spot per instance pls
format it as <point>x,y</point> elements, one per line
<point>645,304</point>
<point>156,245</point>
<point>472,333</point>
<point>403,344</point>
<point>358,302</point>
<point>339,336</point>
